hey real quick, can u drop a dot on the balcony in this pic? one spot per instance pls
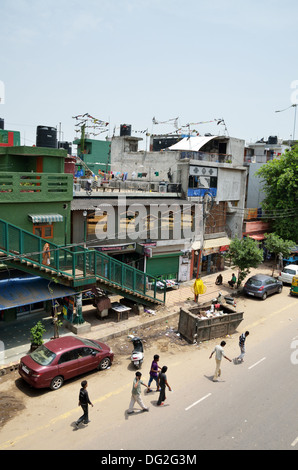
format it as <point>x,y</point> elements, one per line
<point>39,187</point>
<point>207,157</point>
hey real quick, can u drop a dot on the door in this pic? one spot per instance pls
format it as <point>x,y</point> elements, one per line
<point>89,359</point>
<point>68,364</point>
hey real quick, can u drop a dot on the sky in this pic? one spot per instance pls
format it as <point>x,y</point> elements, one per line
<point>127,62</point>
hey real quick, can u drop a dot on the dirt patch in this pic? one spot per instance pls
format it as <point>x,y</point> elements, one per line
<point>10,404</point>
<point>163,337</point>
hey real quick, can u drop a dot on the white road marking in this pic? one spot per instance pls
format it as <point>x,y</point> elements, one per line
<point>294,442</point>
<point>261,360</point>
<point>196,402</point>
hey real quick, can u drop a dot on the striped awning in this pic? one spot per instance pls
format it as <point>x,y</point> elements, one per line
<point>45,218</point>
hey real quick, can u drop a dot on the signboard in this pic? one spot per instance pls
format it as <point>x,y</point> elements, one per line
<point>116,248</point>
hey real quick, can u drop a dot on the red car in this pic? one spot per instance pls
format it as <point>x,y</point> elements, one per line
<point>63,358</point>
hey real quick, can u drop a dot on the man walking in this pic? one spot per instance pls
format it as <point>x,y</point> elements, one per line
<point>242,339</point>
<point>136,393</point>
<point>84,402</point>
<point>219,354</point>
<point>163,383</point>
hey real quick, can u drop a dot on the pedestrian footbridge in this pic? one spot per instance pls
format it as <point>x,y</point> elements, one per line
<point>76,266</point>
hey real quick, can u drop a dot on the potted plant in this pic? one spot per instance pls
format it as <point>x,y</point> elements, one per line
<point>37,332</point>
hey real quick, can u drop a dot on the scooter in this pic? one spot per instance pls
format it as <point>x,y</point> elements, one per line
<point>227,298</point>
<point>137,355</point>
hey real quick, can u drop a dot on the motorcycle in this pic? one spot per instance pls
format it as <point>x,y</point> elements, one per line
<point>137,355</point>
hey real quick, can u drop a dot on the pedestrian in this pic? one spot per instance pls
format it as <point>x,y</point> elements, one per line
<point>162,379</point>
<point>46,254</point>
<point>232,282</point>
<point>153,373</point>
<point>242,339</point>
<point>219,354</point>
<point>84,402</point>
<point>218,281</point>
<point>136,393</point>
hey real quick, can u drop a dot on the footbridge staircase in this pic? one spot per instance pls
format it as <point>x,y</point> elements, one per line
<point>77,267</point>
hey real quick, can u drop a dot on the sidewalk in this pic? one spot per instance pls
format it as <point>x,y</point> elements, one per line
<point>15,336</point>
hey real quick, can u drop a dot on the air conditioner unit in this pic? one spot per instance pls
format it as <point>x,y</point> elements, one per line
<point>162,188</point>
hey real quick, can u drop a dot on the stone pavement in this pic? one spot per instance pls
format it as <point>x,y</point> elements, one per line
<point>15,336</point>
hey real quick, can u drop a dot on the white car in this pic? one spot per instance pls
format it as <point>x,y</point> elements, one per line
<point>287,273</point>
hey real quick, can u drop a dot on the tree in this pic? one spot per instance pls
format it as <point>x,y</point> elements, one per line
<point>245,254</point>
<point>277,245</point>
<point>280,178</point>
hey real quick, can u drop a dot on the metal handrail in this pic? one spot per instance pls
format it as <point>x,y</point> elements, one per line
<point>76,262</point>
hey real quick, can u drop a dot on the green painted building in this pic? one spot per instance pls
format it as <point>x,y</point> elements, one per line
<point>9,138</point>
<point>95,153</point>
<point>35,193</point>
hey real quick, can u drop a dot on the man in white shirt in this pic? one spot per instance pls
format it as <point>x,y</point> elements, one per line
<point>219,354</point>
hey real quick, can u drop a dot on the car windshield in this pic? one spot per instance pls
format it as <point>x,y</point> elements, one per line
<point>90,343</point>
<point>43,356</point>
<point>254,282</point>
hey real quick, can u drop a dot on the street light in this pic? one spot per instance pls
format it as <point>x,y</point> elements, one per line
<point>282,110</point>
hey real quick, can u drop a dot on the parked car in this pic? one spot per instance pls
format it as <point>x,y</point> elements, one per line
<point>261,286</point>
<point>287,273</point>
<point>63,358</point>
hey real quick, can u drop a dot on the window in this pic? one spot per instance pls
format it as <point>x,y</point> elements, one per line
<point>43,231</point>
<point>69,356</point>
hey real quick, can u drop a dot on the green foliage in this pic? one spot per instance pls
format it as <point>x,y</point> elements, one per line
<point>275,244</point>
<point>37,333</point>
<point>280,179</point>
<point>245,254</point>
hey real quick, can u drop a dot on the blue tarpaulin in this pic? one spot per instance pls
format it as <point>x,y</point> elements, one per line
<point>19,291</point>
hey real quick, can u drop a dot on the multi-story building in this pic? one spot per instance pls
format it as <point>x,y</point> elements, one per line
<point>35,196</point>
<point>258,154</point>
<point>206,174</point>
<point>35,193</point>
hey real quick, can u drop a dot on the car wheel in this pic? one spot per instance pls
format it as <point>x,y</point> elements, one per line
<point>57,382</point>
<point>279,290</point>
<point>264,296</point>
<point>104,363</point>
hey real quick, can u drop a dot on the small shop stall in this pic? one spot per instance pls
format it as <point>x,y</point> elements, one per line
<point>120,309</point>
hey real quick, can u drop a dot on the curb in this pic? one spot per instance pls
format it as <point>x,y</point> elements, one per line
<point>14,365</point>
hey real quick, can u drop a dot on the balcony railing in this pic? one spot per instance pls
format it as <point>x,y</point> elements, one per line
<point>22,187</point>
<point>207,157</point>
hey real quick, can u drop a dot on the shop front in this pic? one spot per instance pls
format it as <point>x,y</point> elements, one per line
<point>213,260</point>
<point>210,259</point>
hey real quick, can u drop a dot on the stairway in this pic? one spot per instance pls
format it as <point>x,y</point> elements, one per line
<point>76,266</point>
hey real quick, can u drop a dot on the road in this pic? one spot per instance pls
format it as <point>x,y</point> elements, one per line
<point>252,406</point>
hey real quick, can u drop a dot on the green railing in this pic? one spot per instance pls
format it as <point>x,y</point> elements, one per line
<point>22,186</point>
<point>79,265</point>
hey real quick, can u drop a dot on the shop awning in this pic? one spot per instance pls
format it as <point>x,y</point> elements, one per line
<point>216,243</point>
<point>257,236</point>
<point>45,218</point>
<point>16,292</point>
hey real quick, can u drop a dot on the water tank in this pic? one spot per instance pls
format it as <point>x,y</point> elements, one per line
<point>272,140</point>
<point>125,129</point>
<point>1,124</point>
<point>46,137</point>
<point>66,146</point>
